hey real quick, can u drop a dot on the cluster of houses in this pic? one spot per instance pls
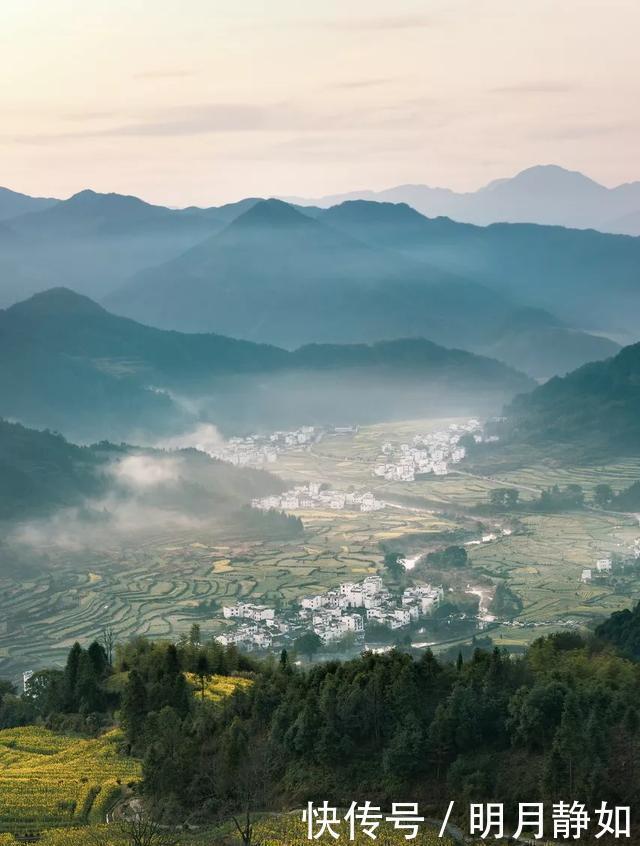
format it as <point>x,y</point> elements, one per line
<point>316,495</point>
<point>605,566</point>
<point>602,569</point>
<point>258,450</point>
<point>431,453</point>
<point>257,627</point>
<point>330,615</point>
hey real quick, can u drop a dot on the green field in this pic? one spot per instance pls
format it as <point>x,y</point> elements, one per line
<point>159,585</point>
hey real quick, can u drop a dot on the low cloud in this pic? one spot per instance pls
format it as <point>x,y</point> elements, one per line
<point>145,471</point>
<point>206,437</point>
<point>382,22</point>
<point>143,496</point>
<point>105,523</point>
<point>536,87</point>
<point>362,83</point>
<point>576,131</point>
<point>164,73</point>
<point>219,118</point>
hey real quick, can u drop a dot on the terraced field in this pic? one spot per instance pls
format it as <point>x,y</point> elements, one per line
<point>543,560</point>
<point>162,584</point>
<point>50,780</point>
<point>158,590</point>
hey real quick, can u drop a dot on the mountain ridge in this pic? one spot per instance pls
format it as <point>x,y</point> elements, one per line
<point>13,203</point>
<point>69,364</point>
<point>354,273</point>
<point>593,411</point>
<point>566,198</point>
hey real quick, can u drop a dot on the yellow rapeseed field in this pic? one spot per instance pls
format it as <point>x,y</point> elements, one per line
<point>219,687</point>
<point>48,779</point>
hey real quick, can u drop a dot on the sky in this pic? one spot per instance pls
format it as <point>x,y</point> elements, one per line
<point>206,101</point>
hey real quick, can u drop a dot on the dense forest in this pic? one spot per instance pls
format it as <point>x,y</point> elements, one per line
<point>41,472</point>
<point>594,411</point>
<point>560,721</point>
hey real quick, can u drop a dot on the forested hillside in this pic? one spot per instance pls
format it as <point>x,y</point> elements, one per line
<point>41,472</point>
<point>594,411</point>
<point>562,720</point>
<point>68,364</point>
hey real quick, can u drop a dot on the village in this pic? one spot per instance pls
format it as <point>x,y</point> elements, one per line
<point>606,567</point>
<point>261,450</point>
<point>431,453</point>
<point>330,615</point>
<point>318,496</point>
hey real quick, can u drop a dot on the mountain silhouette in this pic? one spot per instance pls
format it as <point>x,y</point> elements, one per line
<point>544,194</point>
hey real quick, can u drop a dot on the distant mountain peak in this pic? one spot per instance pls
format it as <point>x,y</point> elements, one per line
<point>548,177</point>
<point>57,300</point>
<point>374,211</point>
<point>271,212</point>
<point>89,197</point>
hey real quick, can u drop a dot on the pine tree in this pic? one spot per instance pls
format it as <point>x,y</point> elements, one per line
<point>203,671</point>
<point>195,635</point>
<point>134,708</point>
<point>71,677</point>
<point>98,657</point>
<point>87,694</point>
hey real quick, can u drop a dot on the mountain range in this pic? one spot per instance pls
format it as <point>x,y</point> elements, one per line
<point>68,364</point>
<point>13,203</point>
<point>585,278</point>
<point>543,299</point>
<point>545,194</point>
<point>364,271</point>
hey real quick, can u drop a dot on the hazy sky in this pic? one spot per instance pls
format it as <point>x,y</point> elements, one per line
<point>202,101</point>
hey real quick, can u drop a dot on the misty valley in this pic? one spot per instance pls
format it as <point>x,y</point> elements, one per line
<point>152,541</point>
<point>278,476</point>
<point>198,477</point>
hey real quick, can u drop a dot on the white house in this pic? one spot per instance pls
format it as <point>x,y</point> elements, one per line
<point>351,623</point>
<point>312,603</point>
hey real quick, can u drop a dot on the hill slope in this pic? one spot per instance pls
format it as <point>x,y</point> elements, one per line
<point>95,241</point>
<point>585,278</point>
<point>41,473</point>
<point>12,203</point>
<point>308,282</point>
<point>594,410</point>
<point>67,363</point>
<point>364,271</point>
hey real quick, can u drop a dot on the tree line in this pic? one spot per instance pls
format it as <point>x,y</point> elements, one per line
<point>560,721</point>
<point>567,498</point>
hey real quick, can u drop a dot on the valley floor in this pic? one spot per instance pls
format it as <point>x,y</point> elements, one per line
<point>161,584</point>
